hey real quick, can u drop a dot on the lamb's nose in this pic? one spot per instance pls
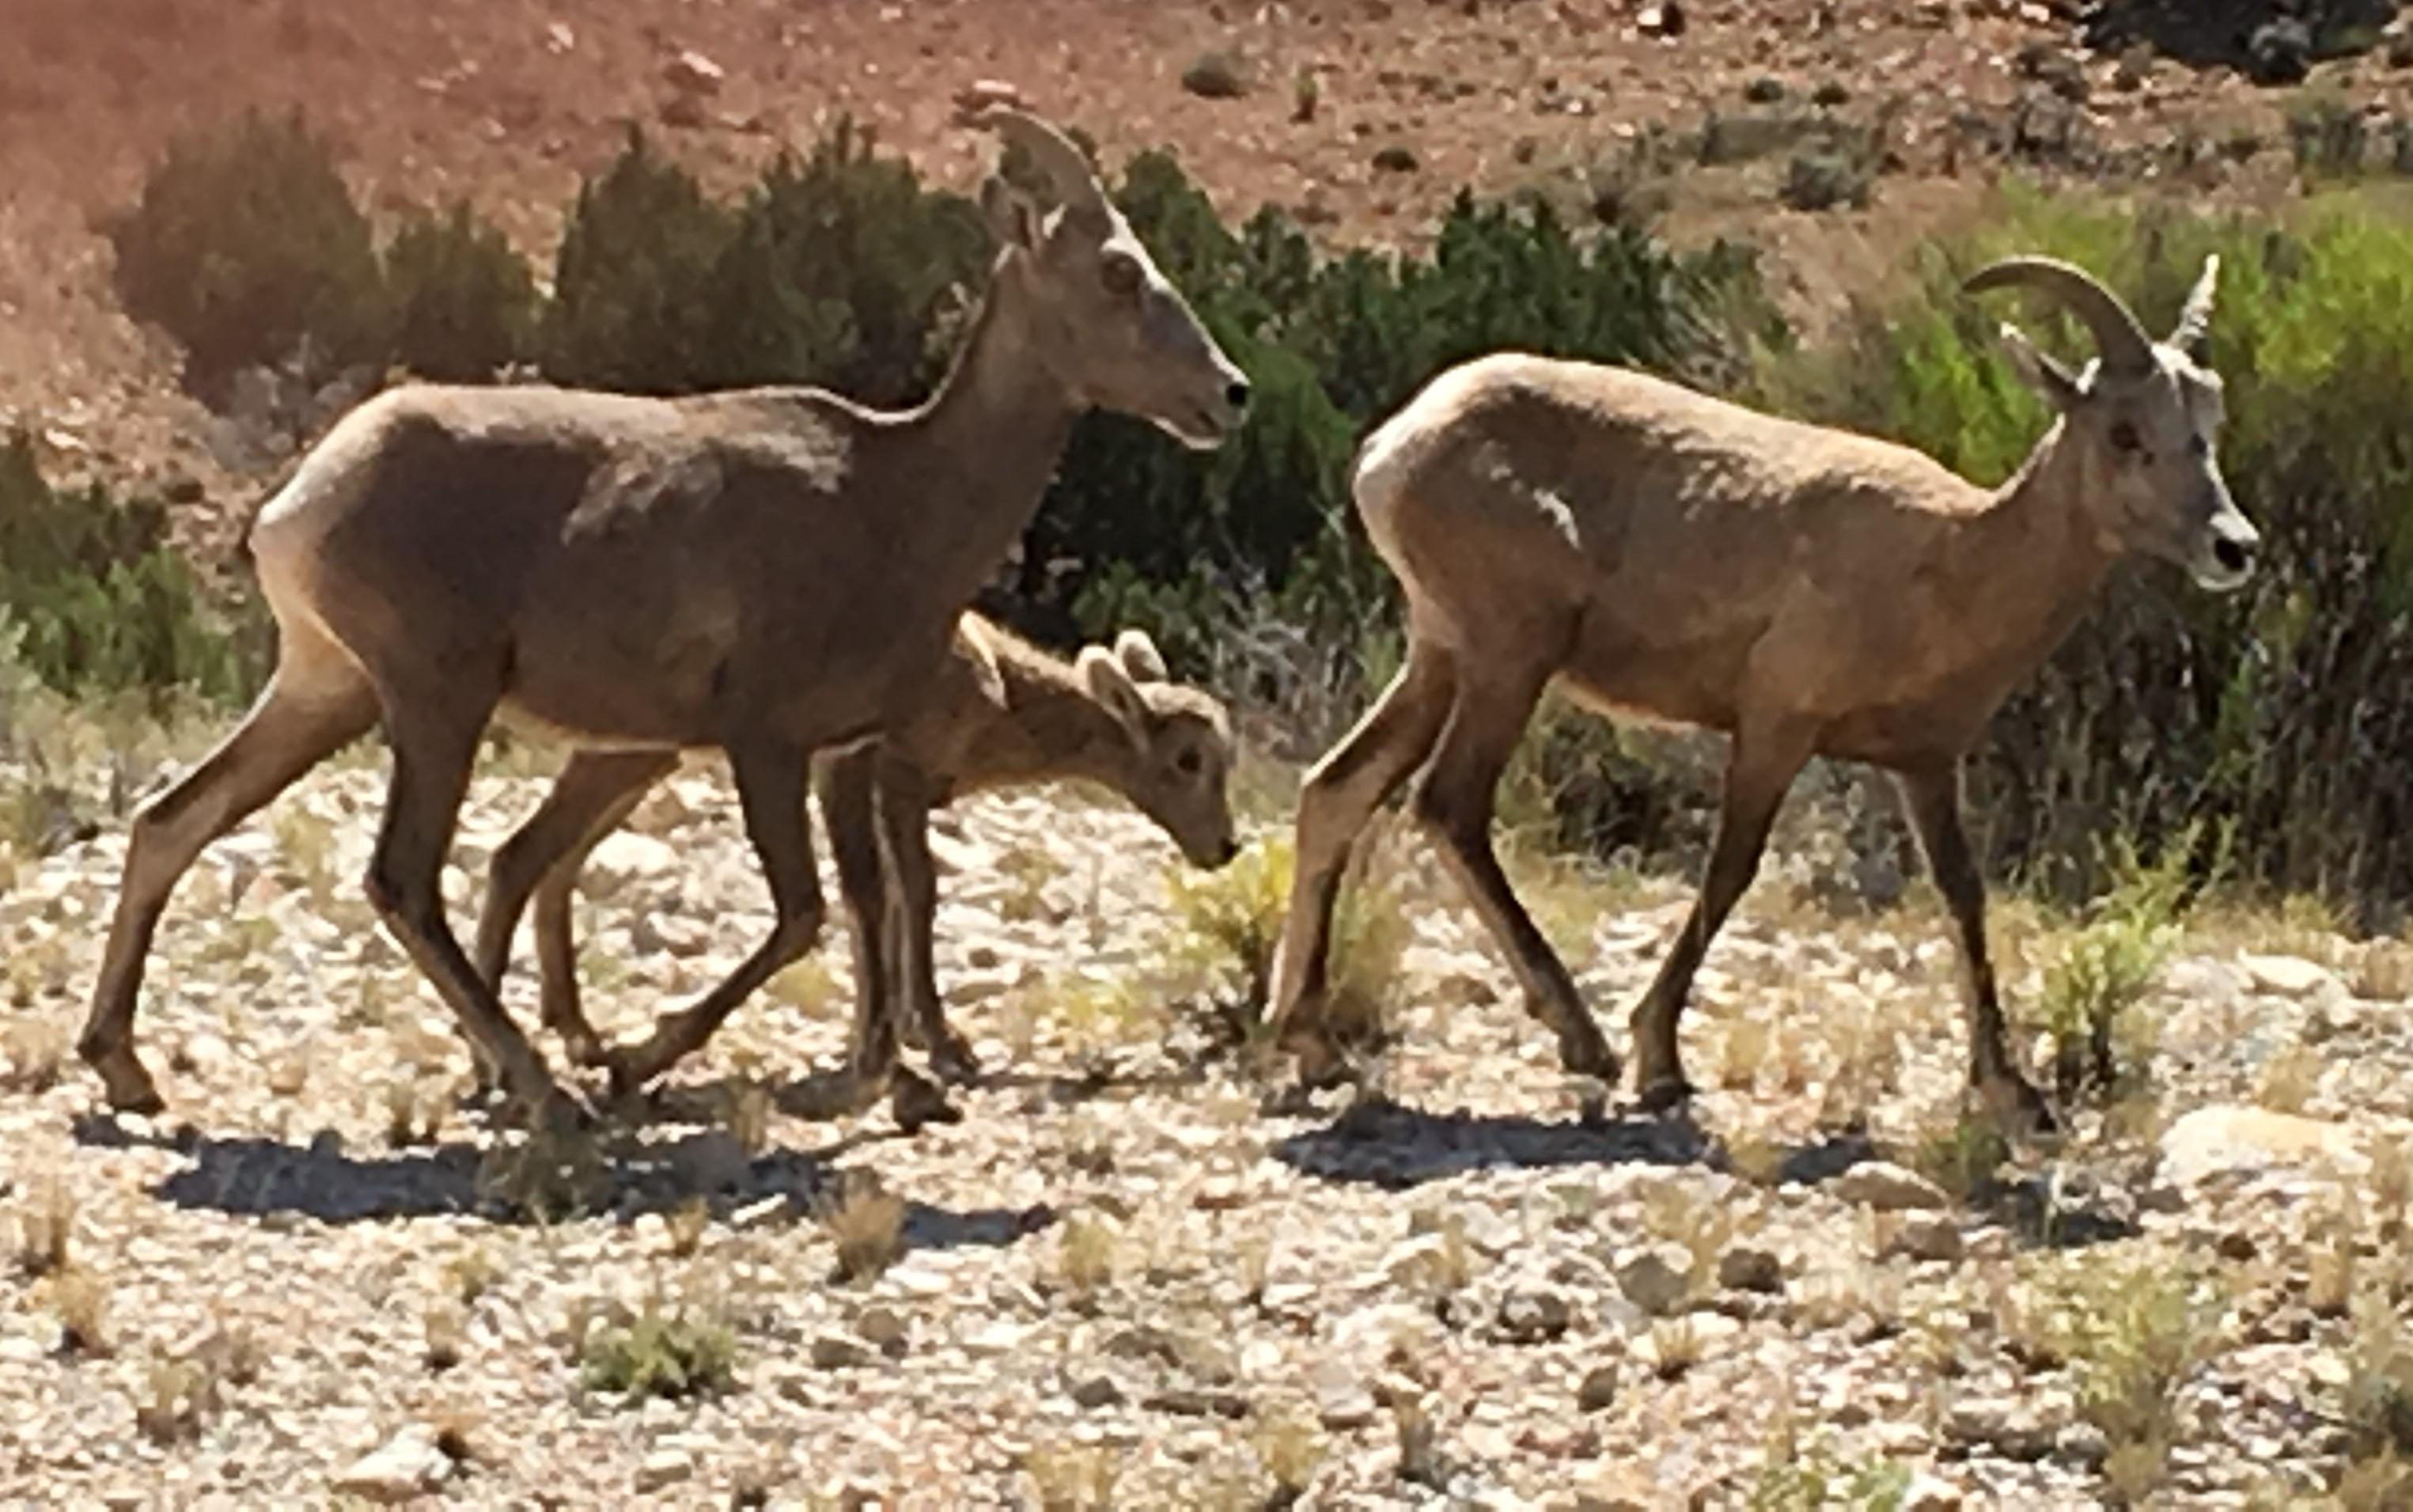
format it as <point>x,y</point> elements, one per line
<point>1236,395</point>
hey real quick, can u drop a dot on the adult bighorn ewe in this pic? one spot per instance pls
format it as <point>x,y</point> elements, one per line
<point>769,572</point>
<point>1805,590</point>
<point>999,712</point>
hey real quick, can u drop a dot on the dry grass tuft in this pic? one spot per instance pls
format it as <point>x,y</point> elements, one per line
<point>659,1353</point>
<point>80,1298</point>
<point>46,1228</point>
<point>867,1223</point>
<point>1073,1477</point>
<point>1087,1255</point>
<point>2289,1080</point>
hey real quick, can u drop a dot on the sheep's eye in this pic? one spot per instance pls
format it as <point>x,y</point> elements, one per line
<point>1188,762</point>
<point>2124,438</point>
<point>1121,273</point>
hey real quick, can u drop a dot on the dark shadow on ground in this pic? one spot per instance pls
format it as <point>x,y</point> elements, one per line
<point>622,1173</point>
<point>1378,1142</point>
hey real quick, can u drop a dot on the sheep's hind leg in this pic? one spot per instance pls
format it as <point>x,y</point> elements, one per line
<point>313,705</point>
<point>1454,801</point>
<point>912,905</point>
<point>1932,796</point>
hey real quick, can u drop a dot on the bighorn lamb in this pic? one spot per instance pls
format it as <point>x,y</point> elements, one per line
<point>767,572</point>
<point>1805,590</point>
<point>999,712</point>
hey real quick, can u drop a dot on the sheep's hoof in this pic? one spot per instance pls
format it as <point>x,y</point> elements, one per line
<point>557,1113</point>
<point>1584,1051</point>
<point>1664,1094</point>
<point>952,1058</point>
<point>2024,1115</point>
<point>580,1044</point>
<point>915,1103</point>
<point>125,1082</point>
<point>626,1069</point>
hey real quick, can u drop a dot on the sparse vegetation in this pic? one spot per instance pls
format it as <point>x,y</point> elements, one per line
<point>866,1223</point>
<point>1218,73</point>
<point>2093,990</point>
<point>244,246</point>
<point>46,1222</point>
<point>2133,1336</point>
<point>1231,919</point>
<point>659,1353</point>
<point>93,598</point>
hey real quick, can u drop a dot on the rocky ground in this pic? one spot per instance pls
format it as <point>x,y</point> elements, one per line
<point>1121,1280</point>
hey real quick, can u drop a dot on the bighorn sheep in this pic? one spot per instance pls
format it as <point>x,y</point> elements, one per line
<point>769,572</point>
<point>1000,712</point>
<point>1803,589</point>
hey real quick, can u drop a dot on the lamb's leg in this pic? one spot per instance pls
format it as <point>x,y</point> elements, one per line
<point>315,704</point>
<point>1759,769</point>
<point>592,797</point>
<point>1454,801</point>
<point>435,738</point>
<point>771,780</point>
<point>849,784</point>
<point>1338,799</point>
<point>1933,796</point>
<point>850,799</point>
<point>912,905</point>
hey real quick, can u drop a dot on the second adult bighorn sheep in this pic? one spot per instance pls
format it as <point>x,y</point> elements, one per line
<point>1804,591</point>
<point>767,572</point>
<point>999,712</point>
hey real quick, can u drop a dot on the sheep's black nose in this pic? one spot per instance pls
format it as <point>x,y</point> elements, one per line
<point>1236,395</point>
<point>2233,554</point>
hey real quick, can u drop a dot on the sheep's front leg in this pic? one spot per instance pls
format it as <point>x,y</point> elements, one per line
<point>592,797</point>
<point>851,797</point>
<point>1932,796</point>
<point>912,903</point>
<point>1760,768</point>
<point>771,780</point>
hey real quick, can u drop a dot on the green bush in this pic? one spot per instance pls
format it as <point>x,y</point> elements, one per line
<point>2278,715</point>
<point>463,303</point>
<point>642,242</point>
<point>833,271</point>
<point>244,244</point>
<point>96,600</point>
<point>838,273</point>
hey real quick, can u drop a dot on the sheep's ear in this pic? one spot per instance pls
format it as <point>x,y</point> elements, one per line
<point>1014,217</point>
<point>2041,371</point>
<point>1103,674</point>
<point>1140,657</point>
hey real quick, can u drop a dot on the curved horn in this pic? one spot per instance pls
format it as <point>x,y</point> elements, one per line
<point>2195,318</point>
<point>1052,153</point>
<point>2125,347</point>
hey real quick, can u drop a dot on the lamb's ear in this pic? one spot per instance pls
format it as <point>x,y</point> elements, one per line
<point>1140,657</point>
<point>1102,673</point>
<point>2042,371</point>
<point>979,654</point>
<point>1014,217</point>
